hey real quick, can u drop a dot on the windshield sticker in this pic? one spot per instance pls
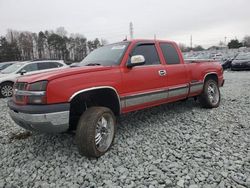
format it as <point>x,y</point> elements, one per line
<point>120,47</point>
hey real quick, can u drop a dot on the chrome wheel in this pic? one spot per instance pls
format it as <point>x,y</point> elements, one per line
<point>104,132</point>
<point>6,90</point>
<point>213,93</point>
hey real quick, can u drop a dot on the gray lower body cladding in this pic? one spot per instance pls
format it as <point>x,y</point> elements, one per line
<point>169,93</point>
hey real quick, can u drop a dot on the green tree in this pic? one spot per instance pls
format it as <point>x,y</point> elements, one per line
<point>58,46</point>
<point>94,44</point>
<point>41,44</point>
<point>198,48</point>
<point>77,47</point>
<point>25,41</point>
<point>8,51</point>
<point>234,44</point>
<point>47,44</point>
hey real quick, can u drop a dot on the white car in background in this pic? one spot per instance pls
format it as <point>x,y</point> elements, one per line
<point>9,75</point>
<point>4,65</point>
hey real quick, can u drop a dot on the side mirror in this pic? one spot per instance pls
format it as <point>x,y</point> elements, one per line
<point>23,71</point>
<point>136,60</point>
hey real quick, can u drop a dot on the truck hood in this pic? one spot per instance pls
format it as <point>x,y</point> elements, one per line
<point>51,75</point>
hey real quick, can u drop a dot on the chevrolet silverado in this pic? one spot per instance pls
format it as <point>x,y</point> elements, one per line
<point>112,80</point>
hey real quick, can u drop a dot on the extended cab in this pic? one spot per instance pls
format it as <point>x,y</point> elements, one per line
<point>112,80</point>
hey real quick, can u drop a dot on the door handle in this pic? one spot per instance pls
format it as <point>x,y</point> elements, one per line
<point>162,72</point>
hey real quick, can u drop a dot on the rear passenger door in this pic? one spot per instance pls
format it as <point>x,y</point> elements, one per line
<point>177,75</point>
<point>144,84</point>
<point>44,66</point>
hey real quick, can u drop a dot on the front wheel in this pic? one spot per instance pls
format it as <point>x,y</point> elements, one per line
<point>6,90</point>
<point>210,97</point>
<point>95,131</point>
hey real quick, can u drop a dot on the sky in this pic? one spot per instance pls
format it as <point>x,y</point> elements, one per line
<point>208,21</point>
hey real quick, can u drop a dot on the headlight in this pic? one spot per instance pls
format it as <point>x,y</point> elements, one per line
<point>38,86</point>
<point>35,93</point>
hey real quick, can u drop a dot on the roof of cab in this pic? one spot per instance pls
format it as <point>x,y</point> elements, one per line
<point>148,40</point>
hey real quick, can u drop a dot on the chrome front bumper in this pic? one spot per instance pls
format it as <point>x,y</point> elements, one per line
<point>44,121</point>
<point>56,122</point>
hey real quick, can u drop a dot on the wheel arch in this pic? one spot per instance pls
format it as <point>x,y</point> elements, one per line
<point>212,75</point>
<point>105,96</point>
<point>7,81</point>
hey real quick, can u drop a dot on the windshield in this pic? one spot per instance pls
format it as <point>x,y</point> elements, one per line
<point>12,68</point>
<point>2,65</point>
<point>106,55</point>
<point>243,56</point>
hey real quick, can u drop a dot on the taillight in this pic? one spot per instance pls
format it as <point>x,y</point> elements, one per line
<point>34,93</point>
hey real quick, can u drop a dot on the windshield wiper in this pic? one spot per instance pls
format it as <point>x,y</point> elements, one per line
<point>93,64</point>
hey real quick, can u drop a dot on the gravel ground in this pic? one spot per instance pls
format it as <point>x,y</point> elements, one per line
<point>174,145</point>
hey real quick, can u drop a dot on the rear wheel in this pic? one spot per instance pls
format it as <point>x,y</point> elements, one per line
<point>95,131</point>
<point>210,97</point>
<point>6,89</point>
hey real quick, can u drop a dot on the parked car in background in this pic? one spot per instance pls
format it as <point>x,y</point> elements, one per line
<point>76,64</point>
<point>4,65</point>
<point>241,62</point>
<point>226,63</point>
<point>9,75</point>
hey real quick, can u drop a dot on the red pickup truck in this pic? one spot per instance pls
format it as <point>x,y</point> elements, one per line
<point>112,80</point>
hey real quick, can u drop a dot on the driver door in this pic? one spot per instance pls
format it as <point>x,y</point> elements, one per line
<point>144,84</point>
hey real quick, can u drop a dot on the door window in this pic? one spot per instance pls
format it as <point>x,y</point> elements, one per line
<point>149,52</point>
<point>48,65</point>
<point>55,65</point>
<point>30,67</point>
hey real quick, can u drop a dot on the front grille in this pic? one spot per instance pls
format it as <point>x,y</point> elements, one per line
<point>20,85</point>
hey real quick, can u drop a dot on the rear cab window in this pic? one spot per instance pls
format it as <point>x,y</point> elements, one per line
<point>170,53</point>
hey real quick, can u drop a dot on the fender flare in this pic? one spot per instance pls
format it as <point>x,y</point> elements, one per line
<point>96,88</point>
<point>209,73</point>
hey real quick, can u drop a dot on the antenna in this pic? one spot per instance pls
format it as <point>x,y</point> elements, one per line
<point>131,30</point>
<point>191,42</point>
